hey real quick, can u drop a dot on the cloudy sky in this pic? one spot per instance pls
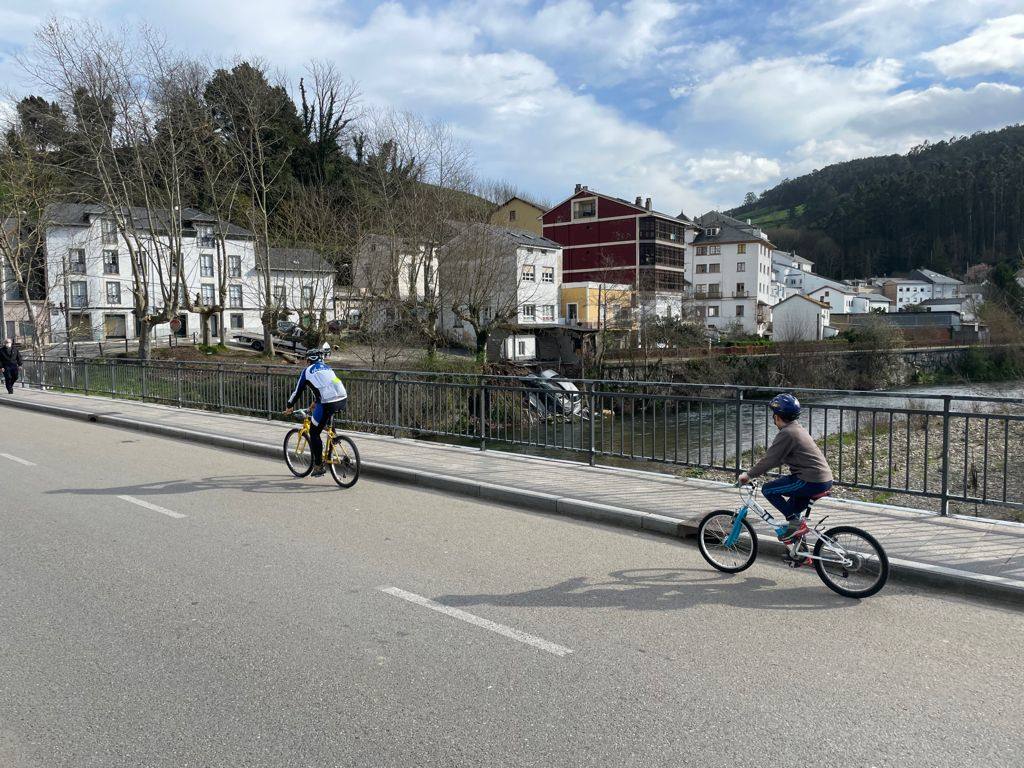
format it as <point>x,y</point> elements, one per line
<point>692,103</point>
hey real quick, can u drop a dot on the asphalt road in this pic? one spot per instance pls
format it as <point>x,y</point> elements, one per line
<point>225,614</point>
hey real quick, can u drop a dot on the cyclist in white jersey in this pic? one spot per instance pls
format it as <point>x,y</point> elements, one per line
<point>330,396</point>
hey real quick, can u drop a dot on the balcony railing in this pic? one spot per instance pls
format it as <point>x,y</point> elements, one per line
<point>79,302</point>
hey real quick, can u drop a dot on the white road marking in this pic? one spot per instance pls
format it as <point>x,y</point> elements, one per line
<point>17,460</point>
<point>154,507</point>
<point>469,618</point>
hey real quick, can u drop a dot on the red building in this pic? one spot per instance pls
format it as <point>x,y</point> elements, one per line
<point>608,239</point>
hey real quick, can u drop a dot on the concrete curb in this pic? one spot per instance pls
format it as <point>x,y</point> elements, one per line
<point>905,571</point>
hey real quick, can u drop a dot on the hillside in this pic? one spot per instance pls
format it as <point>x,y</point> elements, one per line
<point>946,206</point>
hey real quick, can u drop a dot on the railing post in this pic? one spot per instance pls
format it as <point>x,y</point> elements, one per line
<point>395,413</point>
<point>143,366</point>
<point>739,425</point>
<point>944,498</point>
<point>178,377</point>
<point>220,387</point>
<point>85,374</point>
<point>60,375</point>
<point>481,416</point>
<point>113,378</point>
<point>270,395</point>
<point>593,416</point>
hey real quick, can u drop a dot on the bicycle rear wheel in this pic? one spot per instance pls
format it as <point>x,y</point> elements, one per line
<point>343,459</point>
<point>712,534</point>
<point>297,455</point>
<point>853,563</point>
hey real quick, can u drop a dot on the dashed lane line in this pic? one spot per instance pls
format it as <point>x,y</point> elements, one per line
<point>154,507</point>
<point>469,618</point>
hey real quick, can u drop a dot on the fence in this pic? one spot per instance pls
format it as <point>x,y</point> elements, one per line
<point>950,448</point>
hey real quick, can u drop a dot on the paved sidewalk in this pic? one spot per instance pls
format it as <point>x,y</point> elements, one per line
<point>969,555</point>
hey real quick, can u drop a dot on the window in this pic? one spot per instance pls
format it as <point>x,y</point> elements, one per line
<point>206,265</point>
<point>741,248</point>
<point>715,289</point>
<point>236,321</point>
<point>209,295</point>
<point>521,348</point>
<point>741,289</point>
<point>714,250</point>
<point>281,294</point>
<point>110,265</point>
<point>529,313</point>
<point>739,310</point>
<point>584,209</point>
<point>741,266</point>
<point>547,313</point>
<point>204,234</point>
<point>714,268</point>
<point>572,312</point>
<point>79,294</point>
<point>109,229</point>
<point>712,311</point>
<point>234,266</point>
<point>307,295</point>
<point>702,269</point>
<point>113,293</point>
<point>547,275</point>
<point>235,296</point>
<point>529,273</point>
<point>702,250</point>
<point>511,215</point>
<point>76,261</point>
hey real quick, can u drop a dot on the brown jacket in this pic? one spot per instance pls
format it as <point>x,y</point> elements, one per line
<point>795,447</point>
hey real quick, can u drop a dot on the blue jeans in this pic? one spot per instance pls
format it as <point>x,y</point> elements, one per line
<point>322,415</point>
<point>798,491</point>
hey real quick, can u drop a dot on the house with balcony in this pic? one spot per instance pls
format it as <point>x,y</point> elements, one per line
<point>905,292</point>
<point>506,273</point>
<point>606,239</point>
<point>91,279</point>
<point>734,283</point>
<point>791,270</point>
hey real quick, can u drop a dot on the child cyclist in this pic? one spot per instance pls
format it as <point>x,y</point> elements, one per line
<point>810,475</point>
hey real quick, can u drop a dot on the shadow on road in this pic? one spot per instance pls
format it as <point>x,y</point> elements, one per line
<point>248,484</point>
<point>662,589</point>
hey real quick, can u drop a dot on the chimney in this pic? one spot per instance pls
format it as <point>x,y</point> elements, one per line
<point>639,201</point>
<point>647,204</point>
<point>579,188</point>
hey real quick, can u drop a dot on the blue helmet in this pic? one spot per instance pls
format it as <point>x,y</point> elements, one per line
<point>786,406</point>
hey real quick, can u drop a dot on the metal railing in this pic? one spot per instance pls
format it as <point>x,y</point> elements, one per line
<point>949,448</point>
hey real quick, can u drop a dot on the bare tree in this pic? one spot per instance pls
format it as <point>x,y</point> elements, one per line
<point>482,280</point>
<point>132,144</point>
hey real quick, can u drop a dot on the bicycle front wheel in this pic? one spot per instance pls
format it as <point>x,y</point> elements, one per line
<point>851,562</point>
<point>713,536</point>
<point>343,459</point>
<point>297,454</point>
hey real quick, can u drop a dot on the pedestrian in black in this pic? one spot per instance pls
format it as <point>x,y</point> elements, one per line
<point>10,361</point>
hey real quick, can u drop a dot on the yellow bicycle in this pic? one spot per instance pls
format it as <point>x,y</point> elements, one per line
<point>340,454</point>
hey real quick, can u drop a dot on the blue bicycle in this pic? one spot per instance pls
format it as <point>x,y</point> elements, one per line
<point>850,561</point>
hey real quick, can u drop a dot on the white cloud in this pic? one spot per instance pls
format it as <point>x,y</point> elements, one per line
<point>792,98</point>
<point>737,167</point>
<point>995,46</point>
<point>893,27</point>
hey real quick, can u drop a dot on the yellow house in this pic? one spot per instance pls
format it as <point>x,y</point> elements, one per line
<point>597,305</point>
<point>518,214</point>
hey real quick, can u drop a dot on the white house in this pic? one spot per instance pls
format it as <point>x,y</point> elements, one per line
<point>905,292</point>
<point>801,318</point>
<point>731,274</point>
<point>522,275</point>
<point>943,286</point>
<point>302,283</point>
<point>791,270</point>
<point>394,268</point>
<point>89,270</point>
